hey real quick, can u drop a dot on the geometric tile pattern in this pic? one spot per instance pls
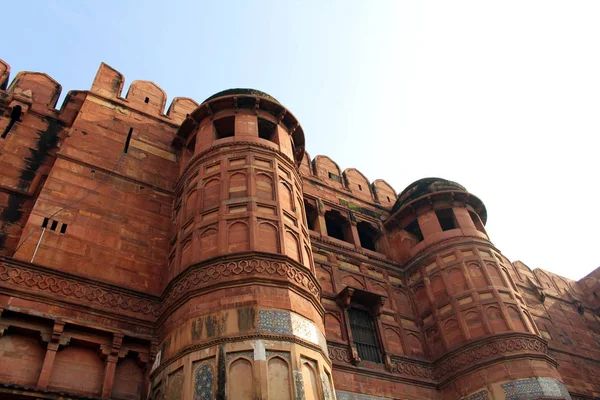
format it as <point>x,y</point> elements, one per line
<point>357,396</point>
<point>535,388</point>
<point>289,323</point>
<point>274,321</point>
<point>481,395</point>
<point>204,382</point>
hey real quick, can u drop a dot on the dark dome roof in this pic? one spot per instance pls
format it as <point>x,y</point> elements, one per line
<point>423,187</point>
<point>248,92</point>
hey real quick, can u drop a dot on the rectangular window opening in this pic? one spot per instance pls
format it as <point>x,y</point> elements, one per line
<point>266,129</point>
<point>147,100</point>
<point>224,127</point>
<point>335,177</point>
<point>54,225</point>
<point>45,223</point>
<point>63,228</point>
<point>446,219</point>
<point>364,335</point>
<point>415,229</point>
<point>477,222</point>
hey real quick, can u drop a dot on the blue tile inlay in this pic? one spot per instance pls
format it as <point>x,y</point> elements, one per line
<point>273,321</point>
<point>204,382</point>
<point>535,388</point>
<point>481,395</point>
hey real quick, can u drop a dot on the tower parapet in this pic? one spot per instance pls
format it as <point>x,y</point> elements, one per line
<point>464,294</point>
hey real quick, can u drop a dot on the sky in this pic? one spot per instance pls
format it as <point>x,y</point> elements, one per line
<point>502,97</point>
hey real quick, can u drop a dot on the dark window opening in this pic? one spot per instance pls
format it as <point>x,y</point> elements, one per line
<point>224,127</point>
<point>367,235</point>
<point>266,129</point>
<point>337,226</point>
<point>312,215</point>
<point>147,100</point>
<point>45,223</point>
<point>335,177</point>
<point>364,335</point>
<point>63,228</point>
<point>54,225</point>
<point>360,187</point>
<point>446,219</point>
<point>15,115</point>
<point>388,197</point>
<point>127,141</point>
<point>477,222</point>
<point>415,229</point>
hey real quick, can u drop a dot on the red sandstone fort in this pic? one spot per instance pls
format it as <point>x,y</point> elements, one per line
<point>202,254</point>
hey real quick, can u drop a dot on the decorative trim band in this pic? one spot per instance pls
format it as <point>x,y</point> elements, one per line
<point>465,359</point>
<point>33,278</point>
<point>82,291</point>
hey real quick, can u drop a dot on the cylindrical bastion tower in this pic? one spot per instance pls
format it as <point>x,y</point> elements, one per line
<point>243,316</point>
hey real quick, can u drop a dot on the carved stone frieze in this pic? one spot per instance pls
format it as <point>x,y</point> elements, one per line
<point>73,289</point>
<point>77,290</point>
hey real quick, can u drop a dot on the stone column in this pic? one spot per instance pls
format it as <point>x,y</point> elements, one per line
<point>112,356</point>
<point>53,344</point>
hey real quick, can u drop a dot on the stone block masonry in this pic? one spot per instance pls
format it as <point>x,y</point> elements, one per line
<point>201,253</point>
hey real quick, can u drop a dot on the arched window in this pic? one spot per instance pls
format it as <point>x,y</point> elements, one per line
<point>367,235</point>
<point>337,226</point>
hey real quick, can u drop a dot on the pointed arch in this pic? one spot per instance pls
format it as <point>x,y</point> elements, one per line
<point>279,380</point>
<point>240,382</point>
<point>268,237</point>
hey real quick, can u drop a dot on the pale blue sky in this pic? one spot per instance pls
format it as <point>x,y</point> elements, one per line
<point>502,97</point>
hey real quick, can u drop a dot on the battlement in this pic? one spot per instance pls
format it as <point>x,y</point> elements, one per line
<point>42,91</point>
<point>351,180</point>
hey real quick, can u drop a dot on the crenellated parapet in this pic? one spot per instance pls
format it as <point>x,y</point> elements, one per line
<point>144,96</point>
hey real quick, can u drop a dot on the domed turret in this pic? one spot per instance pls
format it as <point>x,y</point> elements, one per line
<point>242,249</point>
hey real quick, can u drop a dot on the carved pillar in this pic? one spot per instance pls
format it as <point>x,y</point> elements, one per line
<point>54,341</point>
<point>112,355</point>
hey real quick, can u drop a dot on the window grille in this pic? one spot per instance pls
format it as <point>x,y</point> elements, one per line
<point>364,335</point>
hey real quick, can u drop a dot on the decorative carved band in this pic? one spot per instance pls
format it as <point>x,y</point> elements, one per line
<point>73,289</point>
<point>411,368</point>
<point>487,351</point>
<point>202,275</point>
<point>471,356</point>
<point>339,353</point>
<point>84,291</point>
